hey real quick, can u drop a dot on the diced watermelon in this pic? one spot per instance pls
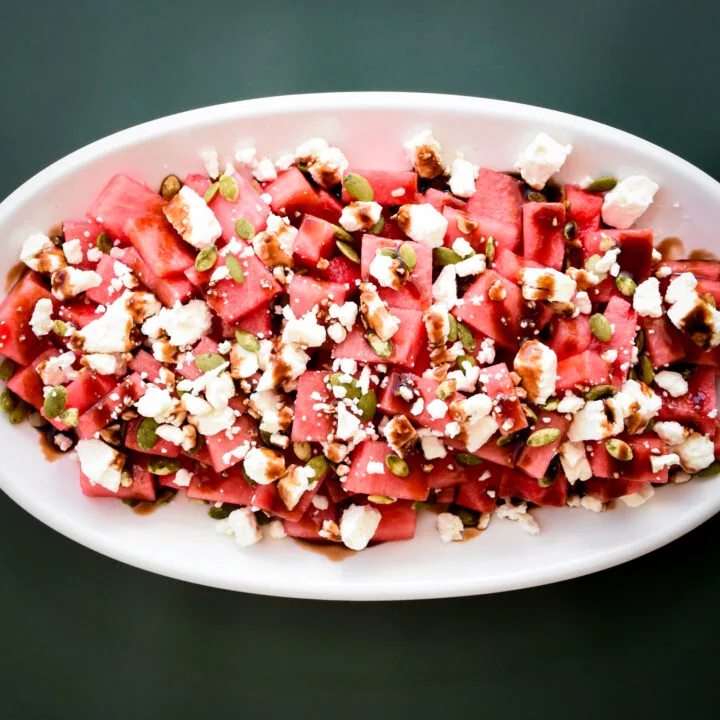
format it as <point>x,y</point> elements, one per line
<point>78,312</point>
<point>696,355</point>
<point>412,487</point>
<point>110,407</point>
<point>516,485</point>
<point>83,392</point>
<point>440,200</point>
<point>169,480</point>
<point>159,245</point>
<point>326,207</point>
<point>291,194</point>
<point>26,383</point>
<point>717,442</point>
<point>697,406</point>
<point>444,495</point>
<point>266,498</point>
<point>503,455</point>
<point>86,232</point>
<point>699,268</point>
<point>445,472</point>
<point>497,204</point>
<point>397,522</point>
<point>571,336</point>
<point>106,292</point>
<point>146,366</point>
<point>169,290</point>
<point>142,487</point>
<point>663,341</point>
<point>534,461</point>
<point>508,264</point>
<point>220,447</point>
<point>17,340</point>
<point>507,409</point>
<point>417,292</point>
<point>474,493</point>
<point>343,271</point>
<point>309,525</point>
<point>121,200</point>
<point>458,219</point>
<point>258,322</point>
<point>584,208</point>
<point>623,321</point>
<point>305,292</point>
<point>543,239</point>
<point>606,490</point>
<point>583,370</point>
<point>315,240</point>
<point>636,248</point>
<point>639,469</point>
<point>310,425</point>
<point>188,368</point>
<point>406,342</point>
<point>163,448</point>
<point>386,182</point>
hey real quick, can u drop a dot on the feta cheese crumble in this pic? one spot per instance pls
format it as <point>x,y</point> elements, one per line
<point>358,525</point>
<point>541,159</point>
<point>193,220</point>
<point>628,200</point>
<point>422,223</point>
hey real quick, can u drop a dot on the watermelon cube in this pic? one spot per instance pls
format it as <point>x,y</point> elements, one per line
<point>26,383</point>
<point>169,290</point>
<point>459,223</point>
<point>266,497</point>
<point>292,194</point>
<point>610,489</point>
<point>227,487</point>
<point>309,525</point>
<point>309,424</point>
<point>306,292</point>
<point>397,522</point>
<point>83,392</point>
<point>391,187</point>
<point>534,461</point>
<point>111,287</point>
<point>315,240</point>
<point>86,232</point>
<point>146,366</point>
<point>699,268</point>
<point>342,271</point>
<point>187,367</point>
<point>473,494</point>
<point>582,371</point>
<point>440,200</point>
<point>258,322</point>
<point>508,264</point>
<point>516,485</point>
<point>78,312</point>
<point>507,409</point>
<point>697,406</point>
<point>638,469</point>
<point>663,341</point>
<point>109,407</point>
<point>623,320</point>
<point>159,245</point>
<point>571,336</point>
<point>162,448</point>
<point>543,239</point>
<point>142,487</point>
<point>225,451</point>
<point>584,208</point>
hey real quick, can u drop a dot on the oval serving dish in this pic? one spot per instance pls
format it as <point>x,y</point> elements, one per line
<point>179,540</point>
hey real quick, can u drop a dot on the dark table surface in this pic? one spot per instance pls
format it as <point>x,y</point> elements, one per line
<point>85,637</point>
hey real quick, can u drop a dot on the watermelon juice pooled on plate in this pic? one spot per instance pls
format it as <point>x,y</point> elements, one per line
<point>326,350</point>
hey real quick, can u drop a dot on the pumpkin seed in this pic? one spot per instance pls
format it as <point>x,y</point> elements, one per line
<point>60,328</point>
<point>446,389</point>
<point>633,374</point>
<point>453,332</point>
<point>710,300</point>
<point>348,251</point>
<point>545,482</point>
<point>8,400</point>
<point>19,413</point>
<point>209,361</point>
<point>55,402</point>
<point>600,392</point>
<point>445,256</point>
<point>381,499</point>
<point>591,262</point>
<point>647,371</point>
<point>7,369</point>
<point>504,440</point>
<point>163,465</point>
<point>211,192</point>
<point>709,471</point>
<point>602,184</point>
<point>358,187</point>
<point>164,496</point>
<point>640,341</point>
<point>397,466</point>
<point>408,256</point>
<point>367,405</point>
<point>466,359</point>
<point>266,436</point>
<point>244,229</point>
<point>570,230</point>
<point>235,269</point>
<point>468,459</point>
<point>352,389</point>
<point>247,341</point>
<point>382,348</point>
<point>206,259</point>
<point>466,336</point>
<point>103,242</point>
<point>619,449</point>
<point>490,249</point>
<point>246,477</point>
<point>229,188</point>
<point>319,465</point>
<point>377,228</point>
<point>126,479</point>
<point>302,450</point>
<point>469,518</point>
<point>387,252</point>
<point>543,437</point>
<point>536,196</point>
<point>70,417</point>
<point>600,327</point>
<point>551,405</point>
<point>625,284</point>
<point>147,433</point>
<point>530,414</point>
<point>170,187</point>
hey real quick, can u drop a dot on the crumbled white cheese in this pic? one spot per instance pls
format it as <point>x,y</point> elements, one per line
<point>658,462</point>
<point>462,247</point>
<point>686,302</point>
<point>183,478</point>
<point>546,284</point>
<point>628,200</point>
<point>583,303</point>
<point>536,364</point>
<point>184,324</point>
<point>304,331</point>
<point>156,403</point>
<point>193,220</point>
<point>328,167</point>
<point>696,452</point>
<point>647,300</point>
<point>382,269</point>
<point>574,461</point>
<point>73,251</point>
<point>592,423</point>
<point>71,281</point>
<point>39,253</point>
<point>347,423</point>
<point>359,216</point>
<point>375,468</point>
<point>605,263</point>
<point>242,525</point>
<point>437,409</point>
<point>100,463</point>
<point>211,161</point>
<point>541,159</point>
<point>423,223</point>
<point>639,498</point>
<point>264,170</point>
<point>57,370</point>
<point>570,404</point>
<point>104,363</point>
<point>358,525</point>
<point>41,319</point>
<point>425,154</point>
<point>171,433</point>
<point>450,527</point>
<point>474,265</point>
<point>673,433</point>
<point>215,421</point>
<point>462,178</point>
<point>673,382</point>
<point>444,289</point>
<point>292,359</point>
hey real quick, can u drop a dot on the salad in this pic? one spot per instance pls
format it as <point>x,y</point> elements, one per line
<point>322,351</point>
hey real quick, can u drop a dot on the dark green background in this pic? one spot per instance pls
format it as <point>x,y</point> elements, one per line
<point>84,637</point>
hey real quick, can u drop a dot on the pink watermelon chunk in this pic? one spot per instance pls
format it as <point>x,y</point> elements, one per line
<point>169,290</point>
<point>391,187</point>
<point>26,383</point>
<point>107,292</point>
<point>159,245</point>
<point>163,448</point>
<point>342,271</point>
<point>83,392</point>
<point>699,268</point>
<point>407,342</point>
<point>638,469</point>
<point>581,371</point>
<point>516,485</point>
<point>397,522</point>
<point>543,239</point>
<point>306,292</point>
<point>697,406</point>
<point>266,498</point>
<point>86,232</point>
<point>122,200</point>
<point>623,319</point>
<point>508,264</point>
<point>507,409</point>
<point>310,425</point>
<point>187,367</point>
<point>228,487</point>
<point>412,487</point>
<point>142,487</point>
<point>474,493</point>
<point>458,219</point>
<point>258,322</point>
<point>291,194</point>
<point>571,336</point>
<point>78,312</point>
<point>440,200</point>
<point>416,294</point>
<point>220,447</point>
<point>584,208</point>
<point>503,455</point>
<point>663,341</point>
<point>146,366</point>
<point>315,240</point>
<point>309,525</point>
<point>109,407</point>
<point>534,461</point>
<point>496,205</point>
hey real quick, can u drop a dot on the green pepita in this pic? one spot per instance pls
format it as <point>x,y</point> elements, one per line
<point>60,328</point>
<point>387,252</point>
<point>348,251</point>
<point>209,361</point>
<point>625,284</point>
<point>164,496</point>
<point>709,471</point>
<point>381,499</point>
<point>453,331</point>
<point>466,337</point>
<point>211,192</point>
<point>352,389</point>
<point>382,348</point>
<point>591,262</point>
<point>229,188</point>
<point>443,256</point>
<point>8,401</point>
<point>342,234</point>
<point>244,229</point>
<point>543,437</point>
<point>469,518</point>
<point>446,389</point>
<point>468,459</point>
<point>600,392</point>
<point>235,269</point>
<point>70,417</point>
<point>529,413</point>
<point>170,187</point>
<point>602,184</point>
<point>319,465</point>
<point>377,228</point>
<point>490,249</point>
<point>147,433</point>
<point>397,466</point>
<point>19,412</point>
<point>647,371</point>
<point>570,230</point>
<point>247,341</point>
<point>640,341</point>
<point>206,259</point>
<point>358,187</point>
<point>163,465</point>
<point>536,196</point>
<point>545,481</point>
<point>302,450</point>
<point>600,327</point>
<point>504,440</point>
<point>7,369</point>
<point>103,242</point>
<point>367,405</point>
<point>55,402</point>
<point>408,256</point>
<point>551,405</point>
<point>466,359</point>
<point>619,449</point>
